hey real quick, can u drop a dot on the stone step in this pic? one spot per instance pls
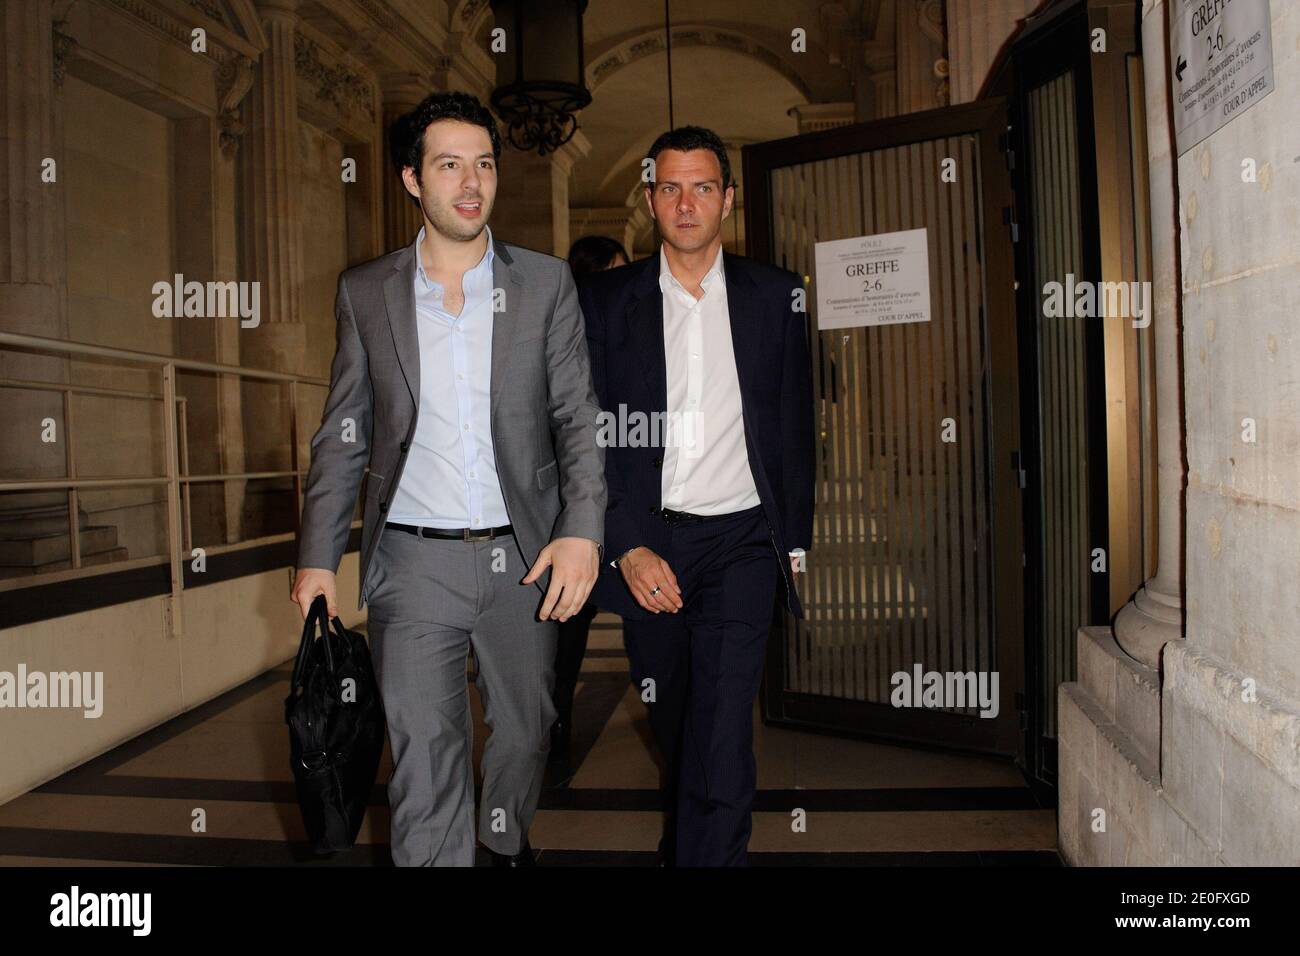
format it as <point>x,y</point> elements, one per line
<point>45,549</point>
<point>1126,691</point>
<point>97,557</point>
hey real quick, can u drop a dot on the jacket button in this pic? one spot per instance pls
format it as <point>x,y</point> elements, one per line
<point>405,446</point>
<point>659,462</point>
<point>383,507</point>
<point>650,510</point>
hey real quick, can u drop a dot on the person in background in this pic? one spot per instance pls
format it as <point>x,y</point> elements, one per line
<point>588,255</point>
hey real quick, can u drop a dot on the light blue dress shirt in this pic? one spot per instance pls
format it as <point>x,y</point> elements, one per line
<point>450,478</point>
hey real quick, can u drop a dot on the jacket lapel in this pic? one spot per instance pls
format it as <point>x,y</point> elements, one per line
<point>645,318</point>
<point>399,302</point>
<point>745,314</point>
<point>505,323</point>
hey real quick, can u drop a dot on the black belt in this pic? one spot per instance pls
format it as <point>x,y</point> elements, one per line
<point>686,517</point>
<point>453,534</point>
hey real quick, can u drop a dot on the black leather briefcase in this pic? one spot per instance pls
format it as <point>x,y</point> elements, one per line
<point>336,730</point>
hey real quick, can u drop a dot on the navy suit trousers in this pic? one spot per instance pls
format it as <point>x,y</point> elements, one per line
<point>706,661</point>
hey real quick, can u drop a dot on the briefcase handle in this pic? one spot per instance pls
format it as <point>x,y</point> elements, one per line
<point>317,617</point>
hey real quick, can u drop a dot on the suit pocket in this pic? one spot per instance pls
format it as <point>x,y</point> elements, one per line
<point>547,476</point>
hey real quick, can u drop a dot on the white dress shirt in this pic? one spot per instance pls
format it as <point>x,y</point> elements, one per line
<point>706,465</point>
<point>450,478</point>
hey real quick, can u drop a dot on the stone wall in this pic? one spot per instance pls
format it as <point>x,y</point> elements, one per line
<point>117,170</point>
<point>1198,761</point>
<point>323,234</point>
<point>1232,692</point>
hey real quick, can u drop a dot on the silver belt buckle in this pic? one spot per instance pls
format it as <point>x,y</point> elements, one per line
<point>487,534</point>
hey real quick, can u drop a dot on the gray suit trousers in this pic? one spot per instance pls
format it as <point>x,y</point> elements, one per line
<point>430,601</point>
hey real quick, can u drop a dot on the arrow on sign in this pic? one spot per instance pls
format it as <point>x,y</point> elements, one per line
<point>1178,70</point>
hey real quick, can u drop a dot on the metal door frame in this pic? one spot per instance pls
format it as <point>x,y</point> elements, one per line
<point>1035,57</point>
<point>986,120</point>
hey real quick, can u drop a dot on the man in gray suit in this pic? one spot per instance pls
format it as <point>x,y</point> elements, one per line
<point>461,376</point>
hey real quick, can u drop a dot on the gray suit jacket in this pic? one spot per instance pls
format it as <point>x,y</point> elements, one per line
<point>552,471</point>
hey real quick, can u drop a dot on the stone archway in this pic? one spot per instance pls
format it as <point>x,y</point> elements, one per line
<point>722,79</point>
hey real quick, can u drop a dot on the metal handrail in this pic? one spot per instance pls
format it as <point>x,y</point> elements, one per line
<point>41,343</point>
<point>61,484</point>
<point>242,476</point>
<point>78,389</point>
<point>132,481</point>
<point>177,481</point>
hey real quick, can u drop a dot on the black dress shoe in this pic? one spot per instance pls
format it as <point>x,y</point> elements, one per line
<point>559,762</point>
<point>666,853</point>
<point>561,742</point>
<point>523,858</point>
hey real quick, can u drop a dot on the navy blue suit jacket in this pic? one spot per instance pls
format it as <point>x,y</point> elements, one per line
<point>623,309</point>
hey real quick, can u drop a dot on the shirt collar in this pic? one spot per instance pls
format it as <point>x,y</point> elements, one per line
<point>668,281</point>
<point>484,264</point>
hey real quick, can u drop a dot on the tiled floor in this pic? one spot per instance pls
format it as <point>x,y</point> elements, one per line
<point>866,803</point>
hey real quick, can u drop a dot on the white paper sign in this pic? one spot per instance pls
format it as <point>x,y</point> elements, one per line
<point>873,280</point>
<point>1221,59</point>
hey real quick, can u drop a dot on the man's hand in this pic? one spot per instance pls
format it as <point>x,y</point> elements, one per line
<point>645,572</point>
<point>311,582</point>
<point>574,564</point>
<point>798,561</point>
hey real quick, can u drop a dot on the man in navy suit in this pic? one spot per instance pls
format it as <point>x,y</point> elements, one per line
<point>700,361</point>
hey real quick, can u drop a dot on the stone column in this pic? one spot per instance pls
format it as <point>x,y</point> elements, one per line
<point>271,160</point>
<point>532,204</point>
<point>568,154</point>
<point>30,281</point>
<point>640,227</point>
<point>977,30</point>
<point>401,215</point>
<point>204,221</point>
<point>877,83</point>
<point>1155,614</point>
<point>32,262</point>
<point>918,39</point>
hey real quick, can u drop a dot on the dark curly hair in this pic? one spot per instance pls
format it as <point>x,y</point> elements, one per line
<point>686,138</point>
<point>406,135</point>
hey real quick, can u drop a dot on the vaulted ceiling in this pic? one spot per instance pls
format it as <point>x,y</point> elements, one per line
<point>736,66</point>
<point>733,70</point>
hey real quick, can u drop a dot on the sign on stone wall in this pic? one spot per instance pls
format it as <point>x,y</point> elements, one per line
<point>1221,57</point>
<point>873,280</point>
